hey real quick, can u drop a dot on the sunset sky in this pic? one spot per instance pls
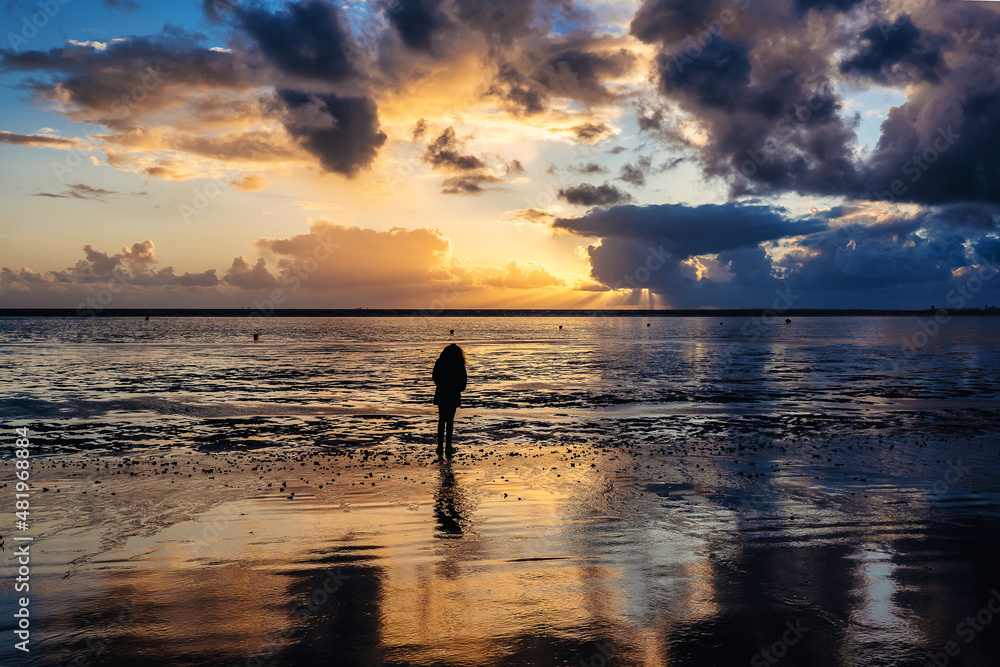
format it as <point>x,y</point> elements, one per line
<point>516,154</point>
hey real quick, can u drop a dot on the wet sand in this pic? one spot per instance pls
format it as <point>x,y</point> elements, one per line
<point>850,549</point>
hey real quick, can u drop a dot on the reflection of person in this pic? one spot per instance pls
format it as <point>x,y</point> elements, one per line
<point>450,377</point>
<point>446,506</point>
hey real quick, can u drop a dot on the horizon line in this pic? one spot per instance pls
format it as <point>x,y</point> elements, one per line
<point>486,312</point>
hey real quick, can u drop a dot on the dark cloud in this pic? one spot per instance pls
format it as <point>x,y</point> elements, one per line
<point>821,5</point>
<point>501,23</point>
<point>101,263</point>
<point>579,74</point>
<point>670,22</point>
<point>516,91</point>
<point>590,168</point>
<point>35,140</point>
<point>594,195</point>
<point>943,144</point>
<point>896,53</point>
<point>417,21</point>
<point>468,184</point>
<point>719,77</point>
<point>636,174</point>
<point>306,39</point>
<point>576,68</point>
<point>775,122</point>
<point>988,248</point>
<point>216,10</point>
<point>766,133</point>
<point>749,267</point>
<point>861,260</point>
<point>206,278</point>
<point>746,276</point>
<point>419,129</point>
<point>971,219</point>
<point>118,85</point>
<point>651,122</point>
<point>684,231</point>
<point>82,191</point>
<point>872,256</point>
<point>615,261</point>
<point>592,132</point>
<point>445,153</point>
<point>242,274</point>
<point>133,266</point>
<point>673,20</point>
<point>343,132</point>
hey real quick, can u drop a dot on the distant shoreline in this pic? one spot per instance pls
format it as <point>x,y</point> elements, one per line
<point>484,312</point>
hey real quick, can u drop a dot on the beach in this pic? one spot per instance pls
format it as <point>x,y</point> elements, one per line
<point>793,502</point>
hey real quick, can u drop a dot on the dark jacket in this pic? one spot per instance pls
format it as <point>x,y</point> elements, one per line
<point>450,381</point>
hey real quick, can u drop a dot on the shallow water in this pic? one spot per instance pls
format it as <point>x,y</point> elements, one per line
<point>550,556</point>
<point>125,381</point>
<point>677,494</point>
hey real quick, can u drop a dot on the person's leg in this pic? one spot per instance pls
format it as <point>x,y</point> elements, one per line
<point>442,414</point>
<point>448,416</point>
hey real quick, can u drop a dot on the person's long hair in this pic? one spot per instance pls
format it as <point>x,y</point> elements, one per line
<point>452,356</point>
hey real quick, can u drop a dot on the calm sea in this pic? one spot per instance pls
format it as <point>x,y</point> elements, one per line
<point>123,382</point>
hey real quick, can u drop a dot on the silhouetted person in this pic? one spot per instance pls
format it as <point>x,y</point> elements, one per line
<point>450,377</point>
